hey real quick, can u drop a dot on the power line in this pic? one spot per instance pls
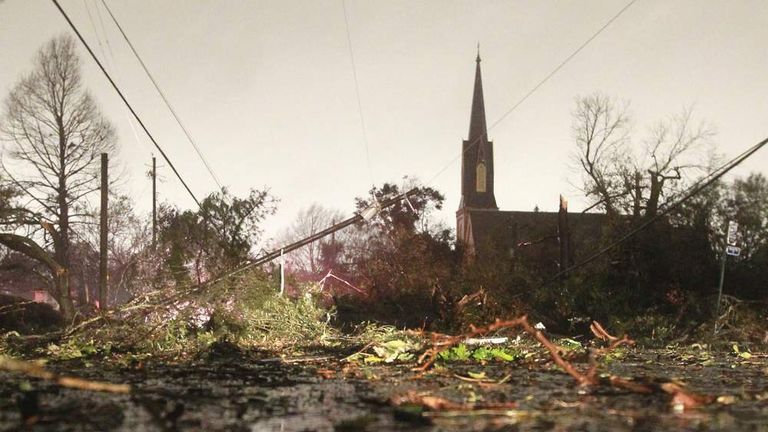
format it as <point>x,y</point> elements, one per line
<point>120,93</point>
<point>357,91</point>
<point>93,26</point>
<point>165,99</point>
<point>104,31</point>
<point>536,87</point>
<point>110,64</point>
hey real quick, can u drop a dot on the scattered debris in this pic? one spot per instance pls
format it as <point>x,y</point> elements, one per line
<point>681,398</point>
<point>486,341</point>
<point>36,371</point>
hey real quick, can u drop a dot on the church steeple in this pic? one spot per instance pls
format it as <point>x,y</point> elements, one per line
<point>477,154</point>
<point>477,125</point>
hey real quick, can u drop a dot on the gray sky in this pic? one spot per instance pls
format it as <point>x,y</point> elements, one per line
<point>267,88</point>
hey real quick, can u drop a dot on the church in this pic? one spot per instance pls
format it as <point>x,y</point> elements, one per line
<point>553,238</point>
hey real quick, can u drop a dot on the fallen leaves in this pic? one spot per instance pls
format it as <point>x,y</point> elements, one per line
<point>396,350</point>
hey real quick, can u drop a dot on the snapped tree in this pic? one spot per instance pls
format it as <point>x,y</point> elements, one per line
<point>622,180</point>
<point>630,178</point>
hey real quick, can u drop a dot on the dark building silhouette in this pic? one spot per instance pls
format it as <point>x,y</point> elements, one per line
<point>482,227</point>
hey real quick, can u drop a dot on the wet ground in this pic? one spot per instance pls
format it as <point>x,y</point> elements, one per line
<point>240,394</point>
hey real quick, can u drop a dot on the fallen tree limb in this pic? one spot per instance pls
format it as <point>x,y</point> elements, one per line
<point>441,342</point>
<point>36,371</point>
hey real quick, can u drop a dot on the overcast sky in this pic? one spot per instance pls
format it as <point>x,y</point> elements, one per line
<point>267,88</point>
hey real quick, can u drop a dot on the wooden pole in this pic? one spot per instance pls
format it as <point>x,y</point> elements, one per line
<point>282,272</point>
<point>360,217</point>
<point>103,277</point>
<point>154,202</point>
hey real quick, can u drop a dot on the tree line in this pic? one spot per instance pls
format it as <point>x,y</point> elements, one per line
<point>402,266</point>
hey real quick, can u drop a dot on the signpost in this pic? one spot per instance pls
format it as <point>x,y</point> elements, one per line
<point>732,250</point>
<point>733,229</point>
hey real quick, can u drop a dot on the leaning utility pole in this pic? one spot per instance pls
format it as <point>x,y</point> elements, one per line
<point>104,232</point>
<point>364,215</point>
<point>154,202</point>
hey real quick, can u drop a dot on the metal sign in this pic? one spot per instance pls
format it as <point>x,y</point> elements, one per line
<point>732,250</point>
<point>733,229</point>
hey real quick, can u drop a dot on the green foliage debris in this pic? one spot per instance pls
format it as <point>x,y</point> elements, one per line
<point>462,353</point>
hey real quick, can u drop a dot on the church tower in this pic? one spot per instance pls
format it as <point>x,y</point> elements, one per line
<point>477,155</point>
<point>476,163</point>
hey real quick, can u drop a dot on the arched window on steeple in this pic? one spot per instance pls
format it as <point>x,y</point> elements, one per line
<point>480,182</point>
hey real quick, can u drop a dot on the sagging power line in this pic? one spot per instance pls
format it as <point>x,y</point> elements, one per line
<point>109,59</point>
<point>164,98</point>
<point>125,101</point>
<point>357,92</point>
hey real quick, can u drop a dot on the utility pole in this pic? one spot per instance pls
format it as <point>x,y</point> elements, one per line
<point>103,277</point>
<point>282,272</point>
<point>154,203</point>
<point>365,215</point>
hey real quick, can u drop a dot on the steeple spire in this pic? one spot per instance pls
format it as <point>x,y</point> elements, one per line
<point>477,127</point>
<point>477,155</point>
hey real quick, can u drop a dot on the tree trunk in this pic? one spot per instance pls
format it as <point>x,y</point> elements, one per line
<point>636,205</point>
<point>66,306</point>
<point>652,206</point>
<point>61,248</point>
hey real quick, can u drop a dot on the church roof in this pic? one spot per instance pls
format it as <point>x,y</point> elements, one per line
<point>511,229</point>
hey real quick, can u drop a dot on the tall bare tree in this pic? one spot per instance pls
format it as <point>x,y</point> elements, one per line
<point>54,133</point>
<point>308,222</point>
<point>601,130</point>
<point>625,180</point>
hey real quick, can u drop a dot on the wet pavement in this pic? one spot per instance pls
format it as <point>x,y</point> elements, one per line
<point>330,395</point>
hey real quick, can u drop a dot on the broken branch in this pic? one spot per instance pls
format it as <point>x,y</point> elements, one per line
<point>36,371</point>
